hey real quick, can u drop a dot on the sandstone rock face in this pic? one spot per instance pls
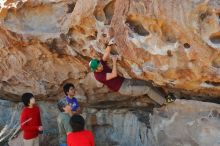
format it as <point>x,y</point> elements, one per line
<point>183,123</point>
<point>175,44</point>
<point>190,123</point>
<point>46,43</point>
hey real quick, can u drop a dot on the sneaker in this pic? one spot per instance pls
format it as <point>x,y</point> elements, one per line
<point>170,98</point>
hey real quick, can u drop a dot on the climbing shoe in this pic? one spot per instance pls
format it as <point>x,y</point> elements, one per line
<point>170,98</point>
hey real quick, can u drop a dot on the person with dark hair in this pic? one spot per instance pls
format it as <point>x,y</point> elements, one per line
<point>63,120</point>
<point>69,90</point>
<point>131,87</point>
<point>30,120</point>
<point>79,136</point>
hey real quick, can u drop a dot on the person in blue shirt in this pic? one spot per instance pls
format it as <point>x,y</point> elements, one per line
<point>69,90</point>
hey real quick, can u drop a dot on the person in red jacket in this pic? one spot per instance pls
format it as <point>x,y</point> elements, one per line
<point>30,120</point>
<point>79,136</point>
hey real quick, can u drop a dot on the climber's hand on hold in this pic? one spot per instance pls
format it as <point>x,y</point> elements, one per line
<point>111,42</point>
<point>119,57</point>
<point>114,58</point>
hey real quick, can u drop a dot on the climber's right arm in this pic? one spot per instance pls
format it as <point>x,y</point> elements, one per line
<point>107,53</point>
<point>114,73</point>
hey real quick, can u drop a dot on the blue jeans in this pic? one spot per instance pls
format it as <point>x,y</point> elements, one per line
<point>63,144</point>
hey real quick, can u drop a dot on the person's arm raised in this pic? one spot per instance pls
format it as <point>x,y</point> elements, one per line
<point>107,53</point>
<point>114,73</point>
<point>108,49</point>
